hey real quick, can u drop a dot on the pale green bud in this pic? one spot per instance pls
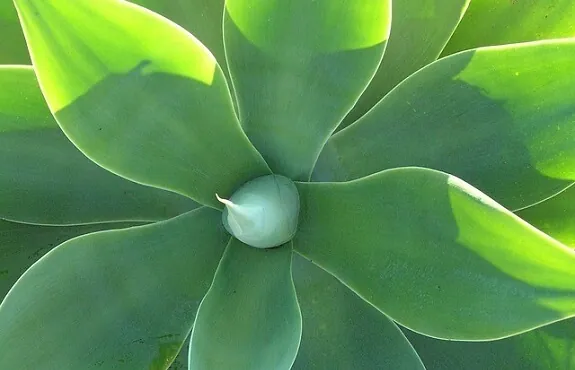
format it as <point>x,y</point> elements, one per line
<point>263,213</point>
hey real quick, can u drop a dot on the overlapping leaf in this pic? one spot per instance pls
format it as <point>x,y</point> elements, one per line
<point>342,331</point>
<point>21,245</point>
<point>499,118</point>
<point>250,317</point>
<point>46,180</point>
<point>431,241</point>
<point>555,216</point>
<point>297,67</point>
<point>419,31</point>
<point>547,348</point>
<point>122,299</point>
<point>496,22</point>
<point>139,97</point>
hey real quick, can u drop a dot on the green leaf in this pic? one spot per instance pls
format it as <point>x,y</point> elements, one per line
<point>139,96</point>
<point>46,180</point>
<point>297,67</point>
<point>547,348</point>
<point>181,361</point>
<point>419,31</point>
<point>12,44</point>
<point>21,245</point>
<point>500,118</point>
<point>554,216</point>
<point>497,22</point>
<point>436,254</point>
<point>121,299</point>
<point>250,317</point>
<point>202,18</point>
<point>342,331</point>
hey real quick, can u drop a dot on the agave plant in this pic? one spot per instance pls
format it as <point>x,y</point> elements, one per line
<point>364,183</point>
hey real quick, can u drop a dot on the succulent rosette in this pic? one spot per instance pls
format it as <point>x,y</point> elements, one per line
<point>287,183</point>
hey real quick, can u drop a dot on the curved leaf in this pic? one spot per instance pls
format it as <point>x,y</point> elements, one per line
<point>142,98</point>
<point>12,44</point>
<point>547,348</point>
<point>341,330</point>
<point>46,180</point>
<point>436,255</point>
<point>21,245</point>
<point>419,31</point>
<point>250,317</point>
<point>122,299</point>
<point>500,118</point>
<point>554,216</point>
<point>297,68</point>
<point>202,18</point>
<point>496,22</point>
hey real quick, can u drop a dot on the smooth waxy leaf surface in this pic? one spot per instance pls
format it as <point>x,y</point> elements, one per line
<point>12,44</point>
<point>496,22</point>
<point>547,348</point>
<point>121,299</point>
<point>250,317</point>
<point>142,98</point>
<point>416,243</point>
<point>202,18</point>
<point>21,245</point>
<point>555,216</point>
<point>341,330</point>
<point>298,67</point>
<point>46,180</point>
<point>499,118</point>
<point>419,31</point>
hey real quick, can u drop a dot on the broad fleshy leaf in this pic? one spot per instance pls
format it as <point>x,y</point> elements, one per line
<point>341,330</point>
<point>554,216</point>
<point>500,118</point>
<point>297,68</point>
<point>46,180</point>
<point>416,243</point>
<point>250,317</point>
<point>121,299</point>
<point>419,32</point>
<point>12,44</point>
<point>21,245</point>
<point>140,96</point>
<point>547,348</point>
<point>202,18</point>
<point>497,22</point>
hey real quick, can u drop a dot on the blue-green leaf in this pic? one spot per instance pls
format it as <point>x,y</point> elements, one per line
<point>500,118</point>
<point>140,96</point>
<point>436,254</point>
<point>297,67</point>
<point>419,31</point>
<point>46,180</point>
<point>341,330</point>
<point>119,299</point>
<point>250,317</point>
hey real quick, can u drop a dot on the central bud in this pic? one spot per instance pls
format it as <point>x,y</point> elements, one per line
<point>263,213</point>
